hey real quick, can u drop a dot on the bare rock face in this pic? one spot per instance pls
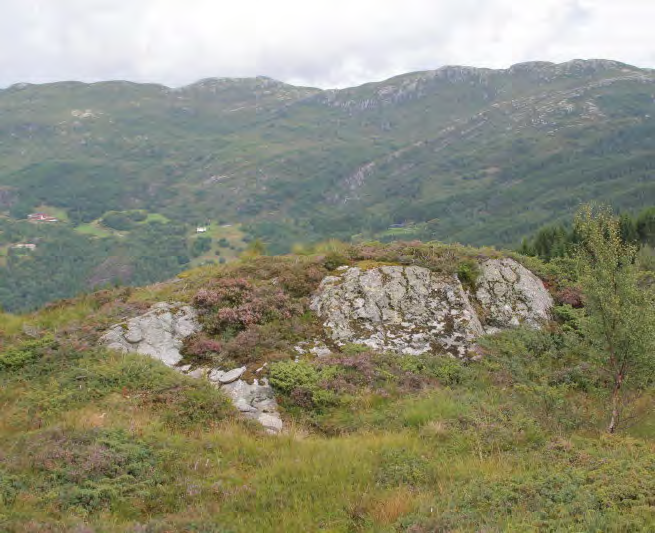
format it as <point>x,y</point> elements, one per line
<point>159,333</point>
<point>409,310</point>
<point>511,295</point>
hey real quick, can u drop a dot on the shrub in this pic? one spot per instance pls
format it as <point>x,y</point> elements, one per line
<point>402,467</point>
<point>286,376</point>
<point>301,383</point>
<point>334,260</point>
<point>234,304</point>
<point>28,352</point>
<point>10,486</point>
<point>301,280</point>
<point>446,370</point>
<point>200,346</point>
<point>194,406</point>
<point>468,272</point>
<point>93,470</point>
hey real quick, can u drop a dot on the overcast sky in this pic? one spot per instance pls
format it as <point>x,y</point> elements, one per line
<point>325,43</point>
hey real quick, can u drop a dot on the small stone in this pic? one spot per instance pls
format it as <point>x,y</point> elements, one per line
<point>271,422</point>
<point>197,373</point>
<point>232,375</point>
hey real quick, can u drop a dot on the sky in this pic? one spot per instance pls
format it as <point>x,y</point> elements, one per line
<point>322,43</point>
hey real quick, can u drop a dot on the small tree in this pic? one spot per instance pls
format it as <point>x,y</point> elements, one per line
<point>620,314</point>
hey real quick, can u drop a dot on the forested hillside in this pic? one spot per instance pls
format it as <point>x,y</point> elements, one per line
<point>478,156</point>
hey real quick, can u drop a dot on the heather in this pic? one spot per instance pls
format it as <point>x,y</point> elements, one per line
<point>95,440</point>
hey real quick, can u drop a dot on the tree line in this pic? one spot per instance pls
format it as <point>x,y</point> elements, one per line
<point>559,240</point>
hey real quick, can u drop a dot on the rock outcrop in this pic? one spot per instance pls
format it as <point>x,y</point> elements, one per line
<point>510,295</point>
<point>411,310</point>
<point>160,332</point>
<point>406,309</point>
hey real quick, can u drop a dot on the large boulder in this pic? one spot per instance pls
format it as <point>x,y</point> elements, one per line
<point>510,295</point>
<point>409,310</point>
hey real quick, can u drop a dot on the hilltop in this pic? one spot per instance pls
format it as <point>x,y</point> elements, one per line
<point>421,387</point>
<point>459,154</point>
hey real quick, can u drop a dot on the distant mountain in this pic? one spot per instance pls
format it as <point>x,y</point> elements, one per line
<point>463,154</point>
<point>484,156</point>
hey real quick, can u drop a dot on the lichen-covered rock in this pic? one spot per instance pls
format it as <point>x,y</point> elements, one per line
<point>409,310</point>
<point>159,333</point>
<point>510,295</point>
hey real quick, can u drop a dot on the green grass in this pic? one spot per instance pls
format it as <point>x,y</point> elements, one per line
<point>114,441</point>
<point>95,229</point>
<point>98,440</point>
<point>155,217</point>
<point>231,234</point>
<point>56,212</point>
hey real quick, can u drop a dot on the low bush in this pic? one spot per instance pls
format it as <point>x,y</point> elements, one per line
<point>93,470</point>
<point>399,467</point>
<point>234,304</point>
<point>17,357</point>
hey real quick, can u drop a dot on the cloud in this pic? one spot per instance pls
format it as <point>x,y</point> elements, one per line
<point>323,43</point>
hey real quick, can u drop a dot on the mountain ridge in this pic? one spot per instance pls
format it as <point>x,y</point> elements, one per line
<point>590,64</point>
<point>479,156</point>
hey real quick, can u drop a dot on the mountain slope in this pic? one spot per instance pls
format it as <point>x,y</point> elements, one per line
<point>459,141</point>
<point>457,154</point>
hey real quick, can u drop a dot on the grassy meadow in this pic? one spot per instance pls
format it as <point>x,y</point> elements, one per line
<point>93,440</point>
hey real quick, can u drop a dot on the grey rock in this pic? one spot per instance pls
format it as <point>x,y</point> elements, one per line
<point>409,310</point>
<point>232,375</point>
<point>315,347</point>
<point>511,295</point>
<point>198,373</point>
<point>215,375</point>
<point>256,401</point>
<point>159,333</point>
<point>271,422</point>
